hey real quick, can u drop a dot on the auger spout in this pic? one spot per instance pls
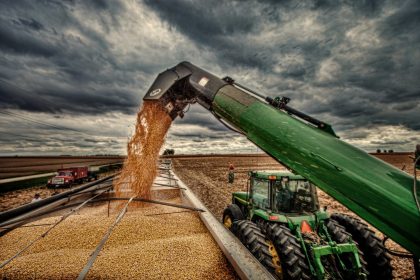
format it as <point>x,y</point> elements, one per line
<point>376,191</point>
<point>184,84</point>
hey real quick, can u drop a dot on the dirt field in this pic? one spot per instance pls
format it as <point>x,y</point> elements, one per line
<point>207,177</point>
<point>10,200</point>
<point>23,166</point>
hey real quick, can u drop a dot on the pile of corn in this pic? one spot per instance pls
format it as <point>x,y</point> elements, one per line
<point>143,246</point>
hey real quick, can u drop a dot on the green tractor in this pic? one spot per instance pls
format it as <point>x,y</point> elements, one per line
<point>279,220</point>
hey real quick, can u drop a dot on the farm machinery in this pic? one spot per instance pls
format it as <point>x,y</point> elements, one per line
<point>322,245</point>
<point>67,177</point>
<point>280,220</point>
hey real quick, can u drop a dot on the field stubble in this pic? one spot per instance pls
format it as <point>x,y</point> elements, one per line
<point>20,197</point>
<point>207,177</point>
<point>23,166</point>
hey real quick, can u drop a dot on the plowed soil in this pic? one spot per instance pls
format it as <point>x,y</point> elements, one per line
<point>207,176</point>
<point>13,199</point>
<point>24,166</point>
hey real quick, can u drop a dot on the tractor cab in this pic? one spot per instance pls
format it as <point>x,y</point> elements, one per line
<point>280,214</point>
<point>282,192</point>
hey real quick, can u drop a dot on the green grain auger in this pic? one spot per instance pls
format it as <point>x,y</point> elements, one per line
<point>376,191</point>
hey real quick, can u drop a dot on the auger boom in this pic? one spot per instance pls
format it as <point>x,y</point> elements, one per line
<point>376,191</point>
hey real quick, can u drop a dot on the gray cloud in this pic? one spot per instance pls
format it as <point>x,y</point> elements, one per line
<point>352,64</point>
<point>56,58</point>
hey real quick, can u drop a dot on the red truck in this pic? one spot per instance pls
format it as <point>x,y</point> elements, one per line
<point>68,176</point>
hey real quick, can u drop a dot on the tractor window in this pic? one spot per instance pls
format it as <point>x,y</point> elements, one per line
<point>260,193</point>
<point>295,196</point>
<point>65,173</point>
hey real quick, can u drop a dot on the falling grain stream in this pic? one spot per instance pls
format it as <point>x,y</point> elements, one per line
<point>151,242</point>
<point>140,169</point>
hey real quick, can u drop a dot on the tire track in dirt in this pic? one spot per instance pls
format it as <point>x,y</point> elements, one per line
<point>207,177</point>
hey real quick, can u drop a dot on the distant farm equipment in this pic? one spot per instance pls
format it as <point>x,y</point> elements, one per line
<point>69,176</point>
<point>169,152</point>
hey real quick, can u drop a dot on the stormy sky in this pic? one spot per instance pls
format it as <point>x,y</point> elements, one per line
<point>73,73</point>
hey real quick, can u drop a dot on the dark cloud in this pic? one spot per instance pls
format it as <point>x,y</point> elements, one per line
<point>18,41</point>
<point>217,25</point>
<point>353,64</point>
<point>84,101</point>
<point>359,53</point>
<point>31,23</point>
<point>87,78</point>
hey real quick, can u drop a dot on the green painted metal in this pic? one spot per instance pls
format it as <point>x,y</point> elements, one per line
<point>260,213</point>
<point>378,192</point>
<point>242,197</point>
<point>293,220</point>
<point>278,174</point>
<point>336,249</point>
<point>313,251</point>
<point>322,215</point>
<point>309,258</point>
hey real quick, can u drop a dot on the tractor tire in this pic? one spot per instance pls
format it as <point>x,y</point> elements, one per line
<point>252,237</point>
<point>378,261</point>
<point>231,215</point>
<point>292,260</point>
<point>339,234</point>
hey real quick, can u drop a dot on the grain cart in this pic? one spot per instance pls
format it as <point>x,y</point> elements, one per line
<point>381,194</point>
<point>279,218</point>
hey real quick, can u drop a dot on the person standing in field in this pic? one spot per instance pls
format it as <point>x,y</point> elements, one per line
<point>231,176</point>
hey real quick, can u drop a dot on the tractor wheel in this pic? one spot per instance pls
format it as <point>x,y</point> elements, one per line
<point>231,215</point>
<point>263,250</point>
<point>378,261</point>
<point>339,234</point>
<point>292,260</point>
